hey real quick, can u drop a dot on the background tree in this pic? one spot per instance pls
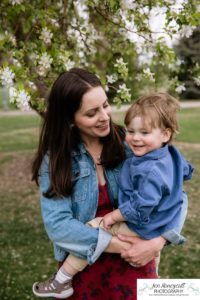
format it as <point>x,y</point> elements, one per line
<point>115,39</point>
<point>188,72</point>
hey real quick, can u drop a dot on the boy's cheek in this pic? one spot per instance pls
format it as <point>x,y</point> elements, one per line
<point>128,138</point>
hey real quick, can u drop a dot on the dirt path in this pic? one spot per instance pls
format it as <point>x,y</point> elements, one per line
<point>188,145</point>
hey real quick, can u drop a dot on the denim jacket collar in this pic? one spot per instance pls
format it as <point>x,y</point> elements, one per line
<point>80,150</point>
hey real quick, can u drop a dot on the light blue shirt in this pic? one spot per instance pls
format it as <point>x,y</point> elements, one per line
<point>150,195</point>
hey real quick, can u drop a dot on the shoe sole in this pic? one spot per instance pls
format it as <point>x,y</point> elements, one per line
<point>64,295</point>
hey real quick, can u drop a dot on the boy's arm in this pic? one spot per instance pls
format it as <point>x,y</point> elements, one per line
<point>136,205</point>
<point>111,218</point>
<point>187,170</point>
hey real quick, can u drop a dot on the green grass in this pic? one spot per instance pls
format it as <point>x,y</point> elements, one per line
<point>26,254</point>
<point>19,132</point>
<point>189,120</point>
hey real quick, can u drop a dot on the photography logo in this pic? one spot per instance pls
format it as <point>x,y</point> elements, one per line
<point>168,289</point>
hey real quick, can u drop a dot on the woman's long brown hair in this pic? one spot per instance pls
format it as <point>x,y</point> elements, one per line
<point>58,138</point>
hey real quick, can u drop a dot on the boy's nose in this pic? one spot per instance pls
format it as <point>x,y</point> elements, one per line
<point>136,136</point>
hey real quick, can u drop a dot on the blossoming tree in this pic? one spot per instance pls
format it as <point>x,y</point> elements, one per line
<point>123,42</point>
<point>188,72</point>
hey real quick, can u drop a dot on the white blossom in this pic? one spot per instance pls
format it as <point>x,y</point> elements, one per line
<point>179,62</point>
<point>83,34</point>
<point>111,78</point>
<point>81,54</point>
<point>44,62</point>
<point>22,100</point>
<point>12,39</point>
<point>124,92</point>
<point>121,67</point>
<point>119,61</point>
<point>16,2</point>
<point>54,22</point>
<point>147,72</point>
<point>123,88</point>
<point>20,97</point>
<point>32,85</point>
<point>46,35</point>
<point>12,94</point>
<point>69,64</point>
<point>128,4</point>
<point>65,60</point>
<point>81,9</point>
<point>186,31</point>
<point>9,36</point>
<point>197,80</point>
<point>138,77</point>
<point>16,62</point>
<point>180,88</point>
<point>7,76</point>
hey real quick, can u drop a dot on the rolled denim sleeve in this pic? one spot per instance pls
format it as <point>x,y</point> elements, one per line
<point>173,236</point>
<point>65,231</point>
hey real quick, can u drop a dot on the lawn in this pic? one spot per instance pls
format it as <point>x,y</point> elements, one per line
<point>25,251</point>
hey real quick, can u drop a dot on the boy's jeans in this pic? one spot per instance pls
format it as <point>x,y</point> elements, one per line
<point>117,228</point>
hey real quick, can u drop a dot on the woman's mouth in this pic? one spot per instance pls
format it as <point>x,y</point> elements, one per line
<point>103,126</point>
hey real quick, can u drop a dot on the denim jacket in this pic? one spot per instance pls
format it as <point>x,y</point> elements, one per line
<point>64,218</point>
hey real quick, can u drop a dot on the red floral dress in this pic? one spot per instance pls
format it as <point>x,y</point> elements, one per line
<point>110,277</point>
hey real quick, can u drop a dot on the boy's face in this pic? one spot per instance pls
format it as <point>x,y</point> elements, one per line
<point>143,139</point>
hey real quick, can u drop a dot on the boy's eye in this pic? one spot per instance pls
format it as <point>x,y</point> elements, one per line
<point>129,131</point>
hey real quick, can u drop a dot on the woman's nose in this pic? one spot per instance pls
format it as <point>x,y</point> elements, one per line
<point>104,115</point>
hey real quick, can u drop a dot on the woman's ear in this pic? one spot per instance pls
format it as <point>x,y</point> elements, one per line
<point>167,133</point>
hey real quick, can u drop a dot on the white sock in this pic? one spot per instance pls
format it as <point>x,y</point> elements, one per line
<point>62,276</point>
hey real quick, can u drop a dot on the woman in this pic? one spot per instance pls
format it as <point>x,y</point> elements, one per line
<point>79,156</point>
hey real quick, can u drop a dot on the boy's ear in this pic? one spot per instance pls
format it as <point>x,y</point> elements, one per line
<point>167,133</point>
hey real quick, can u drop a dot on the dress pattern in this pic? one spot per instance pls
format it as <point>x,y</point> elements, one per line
<point>110,277</point>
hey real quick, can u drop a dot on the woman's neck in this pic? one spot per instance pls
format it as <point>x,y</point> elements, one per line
<point>94,147</point>
<point>91,143</point>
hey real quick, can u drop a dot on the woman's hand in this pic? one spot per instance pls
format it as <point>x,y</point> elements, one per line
<point>141,251</point>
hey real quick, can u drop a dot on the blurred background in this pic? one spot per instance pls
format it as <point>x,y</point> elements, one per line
<point>135,47</point>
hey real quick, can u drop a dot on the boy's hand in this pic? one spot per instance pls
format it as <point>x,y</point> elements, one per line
<point>108,221</point>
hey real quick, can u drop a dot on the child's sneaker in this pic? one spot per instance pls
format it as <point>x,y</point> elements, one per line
<point>52,288</point>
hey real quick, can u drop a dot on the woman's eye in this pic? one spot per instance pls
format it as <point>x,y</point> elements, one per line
<point>91,114</point>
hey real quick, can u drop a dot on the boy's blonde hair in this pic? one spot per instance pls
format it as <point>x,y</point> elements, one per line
<point>158,110</point>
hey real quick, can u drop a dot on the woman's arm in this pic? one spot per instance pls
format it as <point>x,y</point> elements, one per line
<point>64,230</point>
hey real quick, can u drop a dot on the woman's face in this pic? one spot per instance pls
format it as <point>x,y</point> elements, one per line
<point>93,117</point>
